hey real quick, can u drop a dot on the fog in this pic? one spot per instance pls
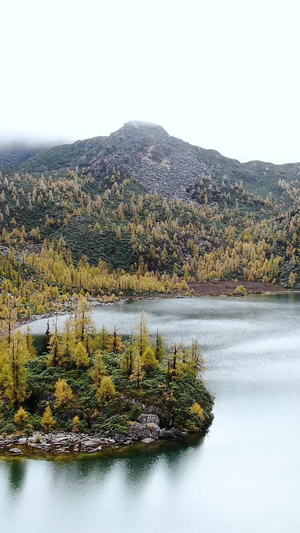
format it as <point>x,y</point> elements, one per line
<point>10,142</point>
<point>221,75</point>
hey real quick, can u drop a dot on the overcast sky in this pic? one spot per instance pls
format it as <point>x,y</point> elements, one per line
<point>220,74</point>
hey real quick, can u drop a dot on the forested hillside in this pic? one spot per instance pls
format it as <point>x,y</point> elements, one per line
<point>164,164</point>
<point>73,230</point>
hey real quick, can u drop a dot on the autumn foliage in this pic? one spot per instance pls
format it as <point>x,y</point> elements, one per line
<point>95,380</point>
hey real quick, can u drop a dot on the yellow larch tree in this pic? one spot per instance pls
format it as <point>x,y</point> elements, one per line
<point>63,394</point>
<point>106,391</point>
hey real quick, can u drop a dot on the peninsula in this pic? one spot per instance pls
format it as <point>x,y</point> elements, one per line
<point>87,390</point>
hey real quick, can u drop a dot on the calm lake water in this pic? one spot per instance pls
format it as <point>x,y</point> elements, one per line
<point>244,477</point>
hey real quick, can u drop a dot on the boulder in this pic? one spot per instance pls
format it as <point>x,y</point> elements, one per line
<point>148,419</point>
<point>16,451</point>
<point>169,433</point>
<point>144,431</point>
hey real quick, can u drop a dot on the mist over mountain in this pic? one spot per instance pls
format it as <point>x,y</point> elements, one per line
<point>140,199</point>
<point>13,153</point>
<point>164,164</point>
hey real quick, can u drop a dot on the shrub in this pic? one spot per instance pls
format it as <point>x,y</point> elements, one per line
<point>198,410</point>
<point>7,427</point>
<point>118,423</point>
<point>48,421</point>
<point>240,290</point>
<point>21,416</point>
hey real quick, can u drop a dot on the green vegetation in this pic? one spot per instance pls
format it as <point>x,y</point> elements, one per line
<point>72,235</point>
<point>99,382</point>
<point>65,236</point>
<point>75,227</point>
<point>240,291</point>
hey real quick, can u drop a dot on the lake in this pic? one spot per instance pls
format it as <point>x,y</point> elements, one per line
<point>243,477</point>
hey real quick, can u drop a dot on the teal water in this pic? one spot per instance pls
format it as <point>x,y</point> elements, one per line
<point>243,477</point>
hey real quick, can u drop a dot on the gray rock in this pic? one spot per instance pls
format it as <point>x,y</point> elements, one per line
<point>148,419</point>
<point>107,441</point>
<point>169,433</point>
<point>143,431</point>
<point>16,451</point>
<point>45,447</point>
<point>36,437</point>
<point>60,449</point>
<point>58,439</point>
<point>91,442</point>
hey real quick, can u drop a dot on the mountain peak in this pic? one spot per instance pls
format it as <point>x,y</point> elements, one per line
<point>142,125</point>
<point>138,128</point>
<point>162,163</point>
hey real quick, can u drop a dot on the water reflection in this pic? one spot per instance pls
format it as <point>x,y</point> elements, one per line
<point>17,471</point>
<point>136,464</point>
<point>14,472</point>
<point>134,467</point>
<point>249,461</point>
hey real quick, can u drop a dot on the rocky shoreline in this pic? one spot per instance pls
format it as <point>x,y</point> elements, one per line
<point>146,430</point>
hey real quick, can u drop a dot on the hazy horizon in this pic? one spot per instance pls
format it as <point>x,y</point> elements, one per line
<point>49,143</point>
<point>220,75</point>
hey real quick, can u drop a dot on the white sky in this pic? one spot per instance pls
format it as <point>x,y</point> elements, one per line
<point>220,74</point>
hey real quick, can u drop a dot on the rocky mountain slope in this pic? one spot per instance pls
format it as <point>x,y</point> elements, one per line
<point>187,211</point>
<point>163,163</point>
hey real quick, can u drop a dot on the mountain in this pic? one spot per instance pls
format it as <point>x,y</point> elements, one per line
<point>13,155</point>
<point>164,164</point>
<point>143,201</point>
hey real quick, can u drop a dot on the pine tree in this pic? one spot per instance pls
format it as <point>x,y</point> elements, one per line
<point>13,360</point>
<point>114,343</point>
<point>148,360</point>
<point>67,348</point>
<point>101,339</point>
<point>63,393</point>
<point>30,344</point>
<point>141,339</point>
<point>99,369</point>
<point>76,423</point>
<point>127,358</point>
<point>48,420</point>
<point>21,416</point>
<point>292,279</point>
<point>11,317</point>
<point>198,362</point>
<point>55,348</point>
<point>81,357</point>
<point>138,374</point>
<point>106,391</point>
<point>84,325</point>
<point>46,340</point>
<point>160,350</point>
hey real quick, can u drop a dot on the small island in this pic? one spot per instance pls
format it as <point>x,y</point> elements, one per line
<point>83,391</point>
